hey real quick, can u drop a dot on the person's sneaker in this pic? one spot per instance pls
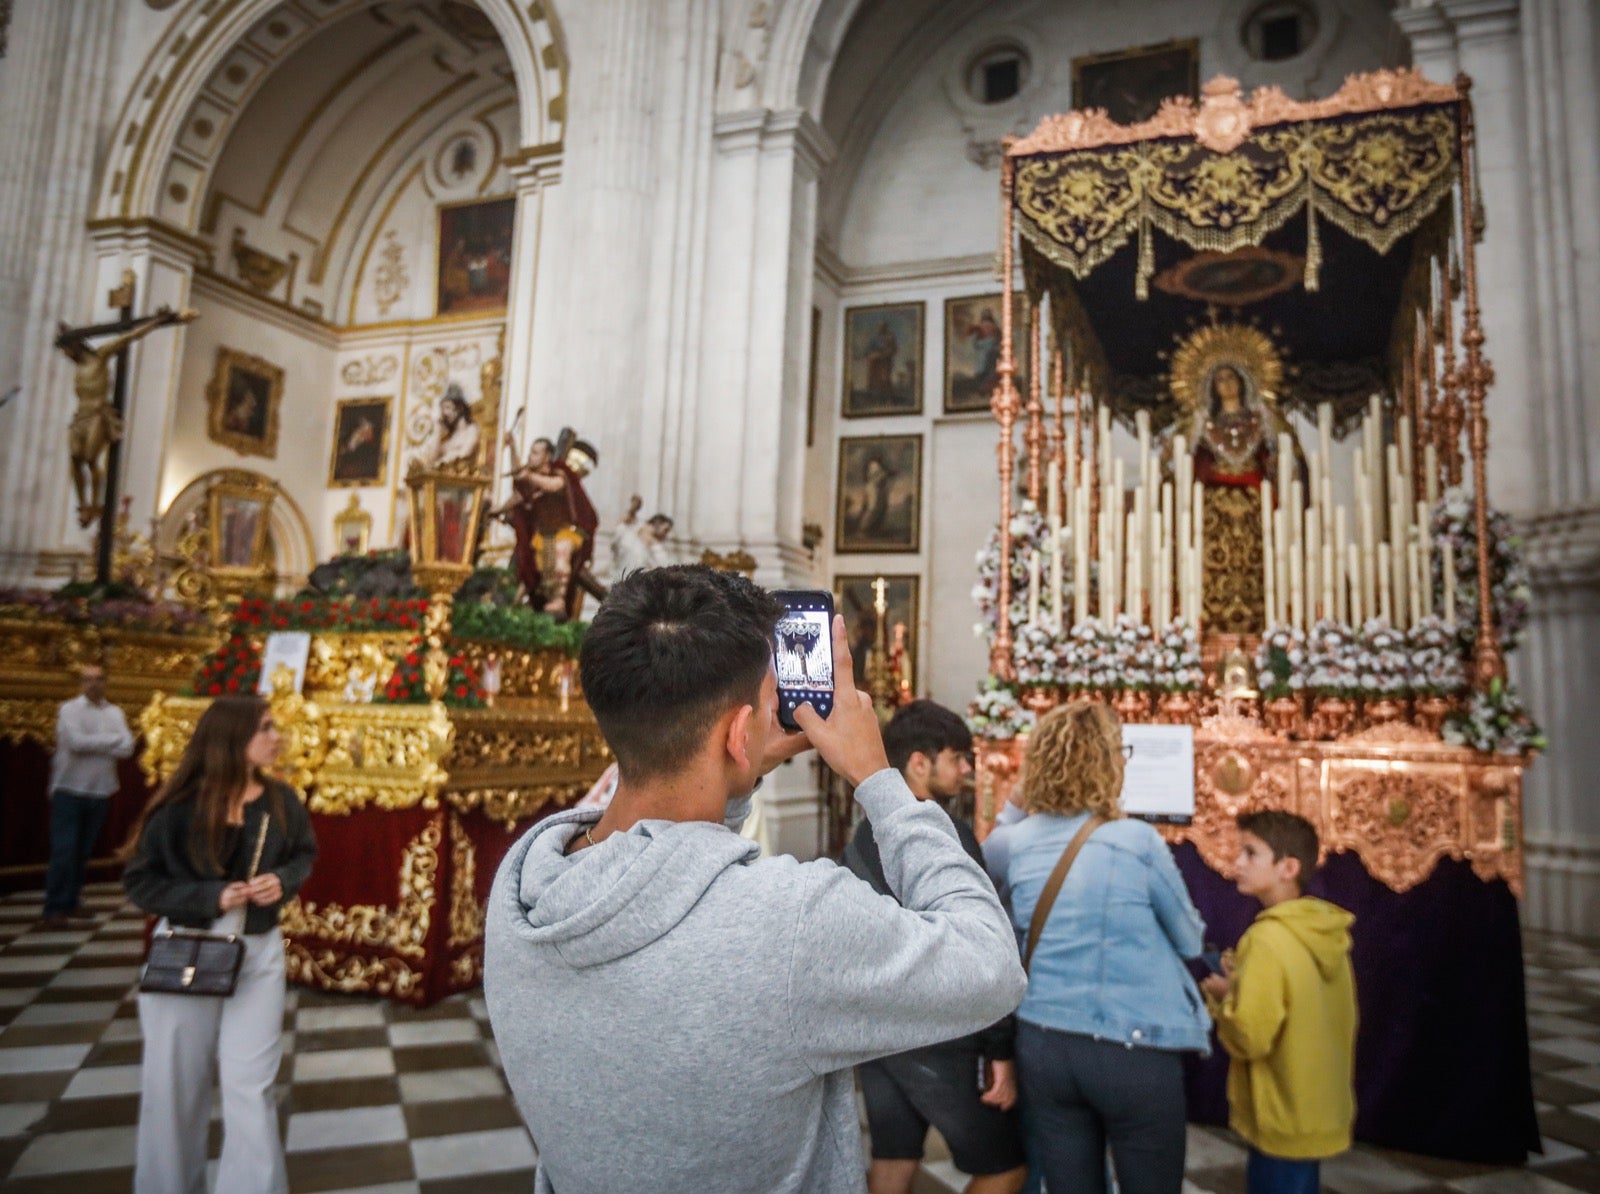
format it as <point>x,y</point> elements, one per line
<point>54,924</point>
<point>81,913</point>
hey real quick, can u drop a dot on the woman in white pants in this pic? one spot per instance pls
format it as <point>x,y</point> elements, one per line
<point>218,849</point>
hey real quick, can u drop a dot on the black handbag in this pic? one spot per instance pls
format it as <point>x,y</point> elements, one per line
<point>192,964</point>
<point>197,963</point>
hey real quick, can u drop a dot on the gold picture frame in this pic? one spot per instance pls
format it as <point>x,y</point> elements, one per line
<point>972,349</point>
<point>242,401</point>
<point>883,360</point>
<point>359,455</point>
<point>352,529</point>
<point>239,510</point>
<point>878,500</point>
<point>854,597</point>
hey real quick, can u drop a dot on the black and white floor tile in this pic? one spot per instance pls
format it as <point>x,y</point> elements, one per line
<point>379,1098</point>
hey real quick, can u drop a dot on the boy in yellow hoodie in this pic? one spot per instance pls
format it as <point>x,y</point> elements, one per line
<point>1285,1011</point>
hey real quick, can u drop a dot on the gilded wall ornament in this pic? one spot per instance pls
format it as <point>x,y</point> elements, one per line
<point>391,279</point>
<point>402,929</point>
<point>369,371</point>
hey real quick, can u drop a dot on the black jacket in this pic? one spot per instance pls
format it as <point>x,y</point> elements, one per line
<point>861,856</point>
<point>162,879</point>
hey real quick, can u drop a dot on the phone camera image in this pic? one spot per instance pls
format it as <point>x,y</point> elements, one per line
<point>804,655</point>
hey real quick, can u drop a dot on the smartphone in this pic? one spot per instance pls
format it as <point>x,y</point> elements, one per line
<point>802,653</point>
<point>985,1075</point>
<point>1211,958</point>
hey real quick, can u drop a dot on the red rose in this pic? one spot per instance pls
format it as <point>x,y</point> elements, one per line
<point>412,659</point>
<point>233,685</point>
<point>461,690</point>
<point>455,661</point>
<point>216,690</point>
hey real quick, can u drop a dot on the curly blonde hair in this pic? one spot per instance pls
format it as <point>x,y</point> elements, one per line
<point>1074,762</point>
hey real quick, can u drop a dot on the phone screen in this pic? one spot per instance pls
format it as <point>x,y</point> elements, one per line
<point>802,654</point>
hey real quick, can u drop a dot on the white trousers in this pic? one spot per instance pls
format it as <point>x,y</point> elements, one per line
<point>188,1041</point>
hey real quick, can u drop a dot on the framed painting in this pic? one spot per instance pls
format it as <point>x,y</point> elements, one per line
<point>242,401</point>
<point>360,455</point>
<point>856,598</point>
<point>879,501</point>
<point>475,243</point>
<point>883,360</point>
<point>1130,84</point>
<point>972,350</point>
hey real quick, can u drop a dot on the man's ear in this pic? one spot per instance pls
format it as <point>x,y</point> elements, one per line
<point>738,735</point>
<point>1289,868</point>
<point>919,765</point>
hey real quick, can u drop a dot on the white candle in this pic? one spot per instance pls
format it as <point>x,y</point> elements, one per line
<point>1430,473</point>
<point>1297,605</point>
<point>1325,437</point>
<point>1166,550</point>
<point>1358,586</point>
<point>1413,588</point>
<point>1268,569</point>
<point>1369,552</point>
<point>1341,556</point>
<point>1449,581</point>
<point>1052,501</point>
<point>1329,606</point>
<point>1313,566</point>
<point>1080,555</point>
<point>1135,578</point>
<point>1384,564</point>
<point>1197,539</point>
<point>1285,461</point>
<point>1033,587</point>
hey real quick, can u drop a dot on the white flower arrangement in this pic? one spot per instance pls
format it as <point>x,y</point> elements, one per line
<point>1333,665</point>
<point>1175,662</point>
<point>1281,660</point>
<point>1435,658</point>
<point>1029,533</point>
<point>1495,722</point>
<point>1381,660</point>
<point>1455,521</point>
<point>996,714</point>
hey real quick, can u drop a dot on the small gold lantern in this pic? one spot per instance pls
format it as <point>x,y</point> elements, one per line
<point>352,528</point>
<point>446,508</point>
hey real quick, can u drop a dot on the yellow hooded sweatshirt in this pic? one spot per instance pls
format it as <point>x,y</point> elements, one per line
<point>1289,1025</point>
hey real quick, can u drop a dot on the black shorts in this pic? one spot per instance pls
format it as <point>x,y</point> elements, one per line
<point>907,1092</point>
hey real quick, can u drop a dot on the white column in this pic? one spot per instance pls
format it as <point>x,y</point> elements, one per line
<point>53,100</point>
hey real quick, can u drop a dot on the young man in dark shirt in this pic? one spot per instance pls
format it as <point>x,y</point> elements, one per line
<point>939,1084</point>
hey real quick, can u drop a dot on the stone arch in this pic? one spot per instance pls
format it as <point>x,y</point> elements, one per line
<point>288,531</point>
<point>195,45</point>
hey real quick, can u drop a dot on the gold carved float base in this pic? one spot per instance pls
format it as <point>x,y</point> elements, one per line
<point>1394,795</point>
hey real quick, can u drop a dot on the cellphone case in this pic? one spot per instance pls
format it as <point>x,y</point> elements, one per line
<point>789,699</point>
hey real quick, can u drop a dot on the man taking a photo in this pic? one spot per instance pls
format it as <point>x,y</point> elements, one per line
<point>675,1013</point>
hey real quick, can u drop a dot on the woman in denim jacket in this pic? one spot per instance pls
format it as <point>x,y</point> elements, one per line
<point>1110,1007</point>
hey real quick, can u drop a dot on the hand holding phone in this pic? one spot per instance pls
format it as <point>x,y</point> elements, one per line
<point>847,737</point>
<point>803,653</point>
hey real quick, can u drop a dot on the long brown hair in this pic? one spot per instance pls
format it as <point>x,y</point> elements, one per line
<point>1073,763</point>
<point>212,773</point>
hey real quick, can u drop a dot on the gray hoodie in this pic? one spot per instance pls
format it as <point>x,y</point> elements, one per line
<point>676,1014</point>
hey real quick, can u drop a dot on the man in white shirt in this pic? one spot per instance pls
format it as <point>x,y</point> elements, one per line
<point>91,735</point>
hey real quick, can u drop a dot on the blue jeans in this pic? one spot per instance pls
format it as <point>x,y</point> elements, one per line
<point>1081,1096</point>
<point>75,823</point>
<point>1279,1175</point>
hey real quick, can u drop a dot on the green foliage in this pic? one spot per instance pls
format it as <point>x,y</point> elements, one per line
<point>515,626</point>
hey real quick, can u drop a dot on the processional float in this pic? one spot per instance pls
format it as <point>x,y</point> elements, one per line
<point>1219,281</point>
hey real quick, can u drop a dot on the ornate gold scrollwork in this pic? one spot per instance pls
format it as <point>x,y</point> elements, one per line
<point>330,970</point>
<point>466,914</point>
<point>511,805</point>
<point>27,720</point>
<point>337,659</point>
<point>384,756</point>
<point>402,929</point>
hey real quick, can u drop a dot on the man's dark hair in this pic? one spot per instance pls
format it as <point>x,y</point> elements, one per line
<point>671,650</point>
<point>926,727</point>
<point>1287,836</point>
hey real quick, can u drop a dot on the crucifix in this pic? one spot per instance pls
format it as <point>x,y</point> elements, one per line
<point>97,423</point>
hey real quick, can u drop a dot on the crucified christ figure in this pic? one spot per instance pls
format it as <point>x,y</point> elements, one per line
<point>96,425</point>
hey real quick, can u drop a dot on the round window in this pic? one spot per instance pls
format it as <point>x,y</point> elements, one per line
<point>1279,29</point>
<point>997,74</point>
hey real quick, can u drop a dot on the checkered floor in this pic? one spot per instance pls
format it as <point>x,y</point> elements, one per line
<point>376,1097</point>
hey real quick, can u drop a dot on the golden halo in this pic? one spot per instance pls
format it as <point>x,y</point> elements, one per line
<point>1237,344</point>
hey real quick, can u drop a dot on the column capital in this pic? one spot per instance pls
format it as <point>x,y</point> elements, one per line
<point>536,166</point>
<point>1443,26</point>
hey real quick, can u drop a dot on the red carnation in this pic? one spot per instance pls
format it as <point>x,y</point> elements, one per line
<point>233,684</point>
<point>412,659</point>
<point>216,689</point>
<point>461,690</point>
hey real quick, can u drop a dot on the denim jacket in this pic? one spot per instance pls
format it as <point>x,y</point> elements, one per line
<point>1110,960</point>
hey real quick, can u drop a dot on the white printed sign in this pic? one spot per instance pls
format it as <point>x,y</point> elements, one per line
<point>1159,781</point>
<point>287,648</point>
